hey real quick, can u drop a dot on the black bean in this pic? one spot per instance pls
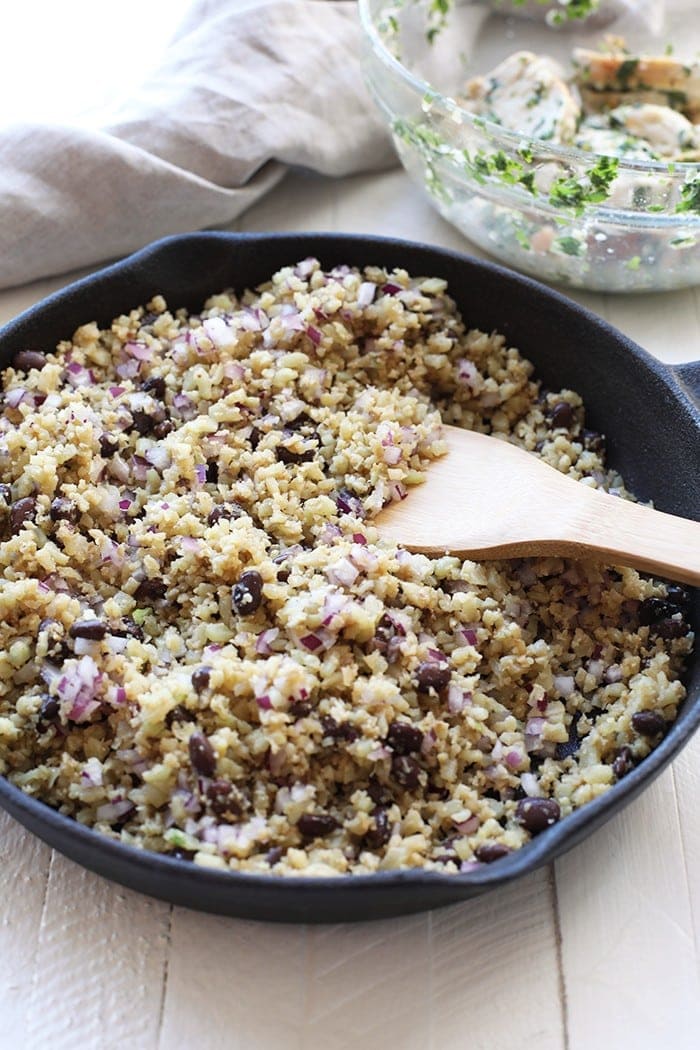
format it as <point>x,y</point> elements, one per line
<point>300,709</point>
<point>22,511</point>
<point>202,755</point>
<point>404,738</point>
<point>179,713</point>
<point>287,455</point>
<point>678,596</point>
<point>145,422</point>
<point>573,743</point>
<point>154,385</point>
<point>222,799</point>
<point>623,763</point>
<point>108,445</point>
<point>64,510</point>
<point>247,593</point>
<point>274,855</point>
<point>5,495</point>
<point>594,441</point>
<point>338,730</point>
<point>488,852</point>
<point>25,360</point>
<point>226,511</point>
<point>385,640</point>
<point>127,628</point>
<point>162,430</point>
<point>316,825</point>
<point>93,630</point>
<point>537,814</point>
<point>379,793</point>
<point>212,472</point>
<point>405,771</point>
<point>200,678</point>
<point>648,723</point>
<point>148,318</point>
<point>653,610</point>
<point>669,629</point>
<point>441,793</point>
<point>254,438</point>
<point>432,675</point>
<point>380,834</point>
<point>49,708</point>
<point>562,415</point>
<point>150,590</point>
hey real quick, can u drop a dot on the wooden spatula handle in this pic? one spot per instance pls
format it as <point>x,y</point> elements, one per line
<point>615,530</point>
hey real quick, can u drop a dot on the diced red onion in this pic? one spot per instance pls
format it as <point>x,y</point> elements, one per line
<point>221,334</point>
<point>79,376</point>
<point>428,743</point>
<point>392,455</point>
<point>457,698</point>
<point>333,604</point>
<point>349,504</point>
<point>139,468</point>
<point>311,642</point>
<point>534,726</point>
<point>128,369</point>
<point>343,572</point>
<point>77,687</point>
<point>265,639</point>
<point>264,702</point>
<point>125,503</point>
<point>306,267</point>
<point>119,469</point>
<point>564,684</point>
<point>112,811</point>
<point>184,406</point>
<point>364,558</point>
<point>91,773</point>
<point>120,695</point>
<point>117,391</point>
<point>470,636</point>
<point>158,457</point>
<point>291,321</point>
<point>314,335</point>
<point>397,492</point>
<point>530,785</point>
<point>201,473</point>
<point>15,397</point>
<point>469,375</point>
<point>513,758</point>
<point>391,289</point>
<point>139,351</point>
<point>438,655</point>
<point>366,293</point>
<point>468,826</point>
<point>379,752</point>
<point>234,370</point>
<point>190,544</point>
<point>469,865</point>
<point>359,537</point>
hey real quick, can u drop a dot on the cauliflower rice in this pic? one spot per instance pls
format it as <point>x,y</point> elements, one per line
<point>206,651</point>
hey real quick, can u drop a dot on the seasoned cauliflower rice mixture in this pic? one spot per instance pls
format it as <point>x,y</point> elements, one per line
<point>206,651</point>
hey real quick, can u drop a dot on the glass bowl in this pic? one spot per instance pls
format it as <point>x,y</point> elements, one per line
<point>564,214</point>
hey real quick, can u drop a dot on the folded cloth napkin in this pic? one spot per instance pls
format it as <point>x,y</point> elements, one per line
<point>247,88</point>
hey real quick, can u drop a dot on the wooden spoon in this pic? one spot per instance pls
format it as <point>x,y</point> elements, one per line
<point>489,499</point>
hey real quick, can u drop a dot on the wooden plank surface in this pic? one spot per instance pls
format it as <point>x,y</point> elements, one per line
<point>600,952</point>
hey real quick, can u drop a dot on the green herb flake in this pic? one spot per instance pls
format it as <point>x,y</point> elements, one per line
<point>569,245</point>
<point>626,71</point>
<point>690,196</point>
<point>634,263</point>
<point>139,616</point>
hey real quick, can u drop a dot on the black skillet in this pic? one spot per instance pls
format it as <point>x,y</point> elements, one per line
<point>649,412</point>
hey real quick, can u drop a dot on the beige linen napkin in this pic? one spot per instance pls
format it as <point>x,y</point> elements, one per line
<point>247,88</point>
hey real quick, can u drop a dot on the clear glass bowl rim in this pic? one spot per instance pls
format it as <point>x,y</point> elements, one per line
<point>510,139</point>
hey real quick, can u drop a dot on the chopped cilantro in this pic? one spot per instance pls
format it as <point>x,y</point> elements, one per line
<point>569,245</point>
<point>626,71</point>
<point>690,196</point>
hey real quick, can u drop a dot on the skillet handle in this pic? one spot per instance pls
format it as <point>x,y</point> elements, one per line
<point>688,378</point>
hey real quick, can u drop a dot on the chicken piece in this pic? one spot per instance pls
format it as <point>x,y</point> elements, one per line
<point>611,142</point>
<point>528,94</point>
<point>596,101</point>
<point>617,71</point>
<point>669,134</point>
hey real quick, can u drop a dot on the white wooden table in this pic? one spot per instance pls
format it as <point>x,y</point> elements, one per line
<point>598,951</point>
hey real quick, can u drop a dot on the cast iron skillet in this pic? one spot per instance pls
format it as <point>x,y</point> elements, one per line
<point>649,411</point>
